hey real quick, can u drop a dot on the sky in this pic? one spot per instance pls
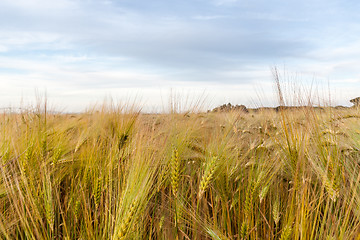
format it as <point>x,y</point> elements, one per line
<point>79,52</point>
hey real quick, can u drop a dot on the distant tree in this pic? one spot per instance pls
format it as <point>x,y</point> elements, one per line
<point>355,101</point>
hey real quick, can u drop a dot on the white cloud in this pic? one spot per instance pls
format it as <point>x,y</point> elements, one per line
<point>39,5</point>
<point>210,17</point>
<point>3,48</point>
<point>274,17</point>
<point>33,40</point>
<point>224,2</point>
<point>334,51</point>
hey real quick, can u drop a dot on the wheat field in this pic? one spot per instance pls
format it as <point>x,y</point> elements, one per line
<point>115,173</point>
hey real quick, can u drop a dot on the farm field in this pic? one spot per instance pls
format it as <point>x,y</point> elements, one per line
<point>116,173</point>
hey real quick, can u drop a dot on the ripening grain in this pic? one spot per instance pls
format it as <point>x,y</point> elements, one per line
<point>119,174</point>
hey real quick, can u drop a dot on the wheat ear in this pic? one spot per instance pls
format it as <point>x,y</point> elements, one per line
<point>208,175</point>
<point>125,223</point>
<point>286,232</point>
<point>276,211</point>
<point>175,171</point>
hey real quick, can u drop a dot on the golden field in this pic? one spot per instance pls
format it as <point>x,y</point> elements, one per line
<point>115,173</point>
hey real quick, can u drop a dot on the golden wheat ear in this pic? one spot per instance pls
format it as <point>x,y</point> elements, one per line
<point>210,169</point>
<point>175,171</point>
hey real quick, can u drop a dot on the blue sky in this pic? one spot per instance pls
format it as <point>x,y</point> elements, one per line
<point>80,51</point>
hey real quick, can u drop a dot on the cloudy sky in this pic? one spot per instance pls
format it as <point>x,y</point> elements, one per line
<point>79,51</point>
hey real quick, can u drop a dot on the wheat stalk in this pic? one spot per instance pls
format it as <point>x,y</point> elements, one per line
<point>243,230</point>
<point>276,210</point>
<point>97,192</point>
<point>43,145</point>
<point>332,188</point>
<point>49,205</point>
<point>249,199</point>
<point>175,171</point>
<point>76,209</point>
<point>263,193</point>
<point>125,223</point>
<point>57,155</point>
<point>25,164</point>
<point>208,175</point>
<point>286,232</point>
